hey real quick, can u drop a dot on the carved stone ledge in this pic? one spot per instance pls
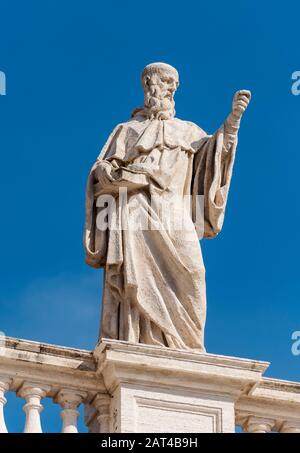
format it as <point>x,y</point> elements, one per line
<point>156,389</point>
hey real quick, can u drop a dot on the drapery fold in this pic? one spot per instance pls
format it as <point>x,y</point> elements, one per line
<point>154,285</point>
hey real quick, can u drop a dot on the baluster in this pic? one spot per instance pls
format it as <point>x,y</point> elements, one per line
<point>290,426</point>
<point>69,401</point>
<point>102,404</point>
<point>258,425</point>
<point>33,393</point>
<point>5,383</point>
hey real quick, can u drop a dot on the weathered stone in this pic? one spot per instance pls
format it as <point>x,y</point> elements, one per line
<point>154,289</point>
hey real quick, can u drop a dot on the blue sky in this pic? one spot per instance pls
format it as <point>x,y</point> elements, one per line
<point>72,70</point>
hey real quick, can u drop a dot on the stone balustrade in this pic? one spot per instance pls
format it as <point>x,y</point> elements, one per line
<point>272,405</point>
<point>35,371</point>
<point>206,386</point>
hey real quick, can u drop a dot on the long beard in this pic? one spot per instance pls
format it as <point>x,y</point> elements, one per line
<point>159,106</point>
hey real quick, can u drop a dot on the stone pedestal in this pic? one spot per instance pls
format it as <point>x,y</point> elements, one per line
<point>159,390</point>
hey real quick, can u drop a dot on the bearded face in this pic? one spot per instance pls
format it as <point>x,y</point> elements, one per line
<point>159,90</point>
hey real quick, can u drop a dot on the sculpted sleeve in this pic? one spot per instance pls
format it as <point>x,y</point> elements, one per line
<point>213,164</point>
<point>95,241</point>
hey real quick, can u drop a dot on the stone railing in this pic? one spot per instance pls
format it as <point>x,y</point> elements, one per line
<point>35,371</point>
<point>272,405</point>
<point>123,386</point>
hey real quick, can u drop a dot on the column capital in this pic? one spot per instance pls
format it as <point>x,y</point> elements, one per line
<point>254,424</point>
<point>5,383</point>
<point>33,389</point>
<point>70,399</point>
<point>290,426</point>
<point>101,402</point>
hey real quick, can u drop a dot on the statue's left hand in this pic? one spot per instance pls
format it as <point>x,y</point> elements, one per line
<point>240,102</point>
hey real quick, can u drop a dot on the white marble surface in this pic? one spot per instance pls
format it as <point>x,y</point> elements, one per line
<point>154,288</point>
<point>128,387</point>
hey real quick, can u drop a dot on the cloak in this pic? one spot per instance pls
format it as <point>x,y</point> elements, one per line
<point>154,285</point>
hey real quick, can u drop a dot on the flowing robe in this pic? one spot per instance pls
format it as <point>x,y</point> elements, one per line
<point>154,281</point>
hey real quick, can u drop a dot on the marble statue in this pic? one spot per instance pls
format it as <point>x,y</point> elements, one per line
<point>154,277</point>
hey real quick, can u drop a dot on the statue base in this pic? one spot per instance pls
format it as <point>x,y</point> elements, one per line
<point>151,389</point>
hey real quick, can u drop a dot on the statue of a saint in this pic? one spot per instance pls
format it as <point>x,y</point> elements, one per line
<point>154,284</point>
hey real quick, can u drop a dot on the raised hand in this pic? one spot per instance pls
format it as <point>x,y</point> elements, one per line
<point>240,102</point>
